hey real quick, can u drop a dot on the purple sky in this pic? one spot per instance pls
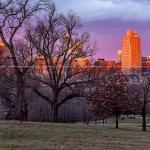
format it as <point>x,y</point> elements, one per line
<point>108,20</point>
<point>109,34</point>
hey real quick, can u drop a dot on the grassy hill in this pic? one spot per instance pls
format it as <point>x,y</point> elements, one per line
<point>49,136</point>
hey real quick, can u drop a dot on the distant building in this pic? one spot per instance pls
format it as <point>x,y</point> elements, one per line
<point>76,64</point>
<point>5,58</point>
<point>131,51</point>
<point>40,65</point>
<point>2,44</point>
<point>119,56</point>
<point>99,62</point>
<point>146,64</point>
<point>105,66</point>
<point>4,52</point>
<point>77,58</point>
<point>100,66</point>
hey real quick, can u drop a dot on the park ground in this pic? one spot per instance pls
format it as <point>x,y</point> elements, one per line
<point>50,136</point>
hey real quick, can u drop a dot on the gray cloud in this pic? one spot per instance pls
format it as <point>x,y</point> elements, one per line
<point>135,10</point>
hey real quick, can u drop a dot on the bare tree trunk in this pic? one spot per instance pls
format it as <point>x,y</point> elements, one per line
<point>143,119</point>
<point>95,121</point>
<point>19,103</point>
<point>25,110</point>
<point>117,116</point>
<point>64,116</point>
<point>21,106</point>
<point>55,113</point>
<point>87,121</point>
<point>55,107</point>
<point>103,120</point>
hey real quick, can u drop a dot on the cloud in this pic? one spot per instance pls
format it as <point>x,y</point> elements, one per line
<point>90,10</point>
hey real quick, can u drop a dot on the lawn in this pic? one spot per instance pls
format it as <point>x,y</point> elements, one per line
<point>48,136</point>
<point>134,121</point>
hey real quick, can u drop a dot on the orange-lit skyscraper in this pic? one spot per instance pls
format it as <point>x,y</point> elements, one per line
<point>131,51</point>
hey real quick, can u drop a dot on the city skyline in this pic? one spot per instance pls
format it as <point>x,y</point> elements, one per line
<point>108,20</point>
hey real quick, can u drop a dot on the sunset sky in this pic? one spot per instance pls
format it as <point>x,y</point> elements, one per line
<point>108,20</point>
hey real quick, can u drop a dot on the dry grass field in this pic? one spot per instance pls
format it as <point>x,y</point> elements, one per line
<point>49,136</point>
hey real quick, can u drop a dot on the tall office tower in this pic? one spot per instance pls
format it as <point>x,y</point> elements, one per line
<point>131,51</point>
<point>119,56</point>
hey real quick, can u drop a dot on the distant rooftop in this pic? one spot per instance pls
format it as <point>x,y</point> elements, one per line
<point>131,32</point>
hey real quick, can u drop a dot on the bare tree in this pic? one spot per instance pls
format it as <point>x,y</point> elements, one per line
<point>146,88</point>
<point>143,84</point>
<point>7,93</point>
<point>61,48</point>
<point>110,96</point>
<point>7,82</point>
<point>13,15</point>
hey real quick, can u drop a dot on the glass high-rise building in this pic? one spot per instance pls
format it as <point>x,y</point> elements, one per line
<point>131,51</point>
